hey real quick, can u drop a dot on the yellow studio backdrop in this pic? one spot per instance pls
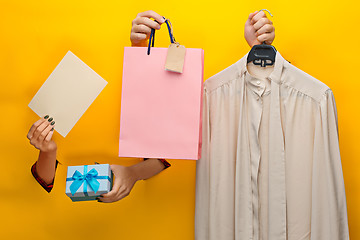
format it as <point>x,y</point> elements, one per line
<point>319,37</point>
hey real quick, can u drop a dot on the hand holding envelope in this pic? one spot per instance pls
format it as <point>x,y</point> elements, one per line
<point>40,134</point>
<point>67,93</point>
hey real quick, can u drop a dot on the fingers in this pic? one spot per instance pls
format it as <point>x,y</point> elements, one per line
<point>261,23</point>
<point>146,22</point>
<point>140,32</point>
<point>268,38</point>
<point>38,133</point>
<point>116,196</point>
<point>41,132</point>
<point>50,134</point>
<point>121,188</point>
<point>113,192</point>
<point>152,14</point>
<point>142,25</point>
<point>142,29</point>
<point>257,17</point>
<point>265,31</point>
<point>121,194</point>
<point>116,187</point>
<point>33,128</point>
<point>44,134</point>
<point>138,36</point>
<point>38,130</point>
<point>251,15</point>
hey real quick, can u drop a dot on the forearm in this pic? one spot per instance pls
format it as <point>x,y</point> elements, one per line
<point>46,166</point>
<point>147,169</point>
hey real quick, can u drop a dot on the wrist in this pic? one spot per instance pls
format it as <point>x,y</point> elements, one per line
<point>49,148</point>
<point>134,173</point>
<point>51,151</point>
<point>139,44</point>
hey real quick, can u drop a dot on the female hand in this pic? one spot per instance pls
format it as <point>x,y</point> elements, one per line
<point>141,27</point>
<point>125,179</point>
<point>40,134</point>
<point>259,29</point>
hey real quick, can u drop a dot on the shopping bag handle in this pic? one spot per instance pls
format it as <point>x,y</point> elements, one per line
<point>152,35</point>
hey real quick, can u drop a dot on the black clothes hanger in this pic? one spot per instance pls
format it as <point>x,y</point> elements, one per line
<point>262,54</point>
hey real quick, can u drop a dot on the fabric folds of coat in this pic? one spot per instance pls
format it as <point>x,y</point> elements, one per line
<point>304,197</point>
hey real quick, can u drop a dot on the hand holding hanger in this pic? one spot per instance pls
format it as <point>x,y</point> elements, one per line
<point>259,29</point>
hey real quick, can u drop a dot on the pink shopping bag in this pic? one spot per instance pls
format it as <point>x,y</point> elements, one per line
<point>161,110</point>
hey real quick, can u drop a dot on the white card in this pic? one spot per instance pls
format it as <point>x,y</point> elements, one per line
<point>67,93</point>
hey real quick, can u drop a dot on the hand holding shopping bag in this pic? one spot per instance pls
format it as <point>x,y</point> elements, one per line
<point>160,109</point>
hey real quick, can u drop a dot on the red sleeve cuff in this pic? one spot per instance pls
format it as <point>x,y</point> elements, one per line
<point>47,187</point>
<point>163,161</point>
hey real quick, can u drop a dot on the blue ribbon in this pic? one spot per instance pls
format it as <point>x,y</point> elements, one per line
<point>152,36</point>
<point>86,178</point>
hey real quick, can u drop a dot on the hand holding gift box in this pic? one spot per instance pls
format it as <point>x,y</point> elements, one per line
<point>87,182</point>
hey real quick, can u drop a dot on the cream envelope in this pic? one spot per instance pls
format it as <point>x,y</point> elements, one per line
<point>67,93</point>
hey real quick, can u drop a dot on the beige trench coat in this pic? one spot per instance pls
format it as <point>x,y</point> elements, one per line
<point>270,166</point>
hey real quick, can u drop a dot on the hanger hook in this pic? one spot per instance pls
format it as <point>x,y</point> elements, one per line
<point>267,11</point>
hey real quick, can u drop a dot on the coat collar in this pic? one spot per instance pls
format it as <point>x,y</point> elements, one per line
<point>274,76</point>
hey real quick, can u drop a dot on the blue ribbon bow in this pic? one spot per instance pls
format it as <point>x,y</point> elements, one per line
<point>87,178</point>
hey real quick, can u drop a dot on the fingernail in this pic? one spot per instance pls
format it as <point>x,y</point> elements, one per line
<point>52,123</point>
<point>162,20</point>
<point>52,129</point>
<point>50,119</point>
<point>46,117</point>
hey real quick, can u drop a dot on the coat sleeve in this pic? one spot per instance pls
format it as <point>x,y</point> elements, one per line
<point>329,214</point>
<point>202,176</point>
<point>43,184</point>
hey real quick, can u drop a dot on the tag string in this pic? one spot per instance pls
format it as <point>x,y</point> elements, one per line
<point>152,35</point>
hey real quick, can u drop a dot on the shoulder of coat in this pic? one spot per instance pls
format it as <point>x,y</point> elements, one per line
<point>303,82</point>
<point>223,77</point>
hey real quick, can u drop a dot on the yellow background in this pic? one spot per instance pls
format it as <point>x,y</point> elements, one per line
<point>319,37</point>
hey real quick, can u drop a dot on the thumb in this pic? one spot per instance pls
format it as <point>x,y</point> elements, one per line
<point>116,185</point>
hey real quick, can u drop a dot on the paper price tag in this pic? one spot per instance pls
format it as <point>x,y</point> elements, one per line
<point>175,58</point>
